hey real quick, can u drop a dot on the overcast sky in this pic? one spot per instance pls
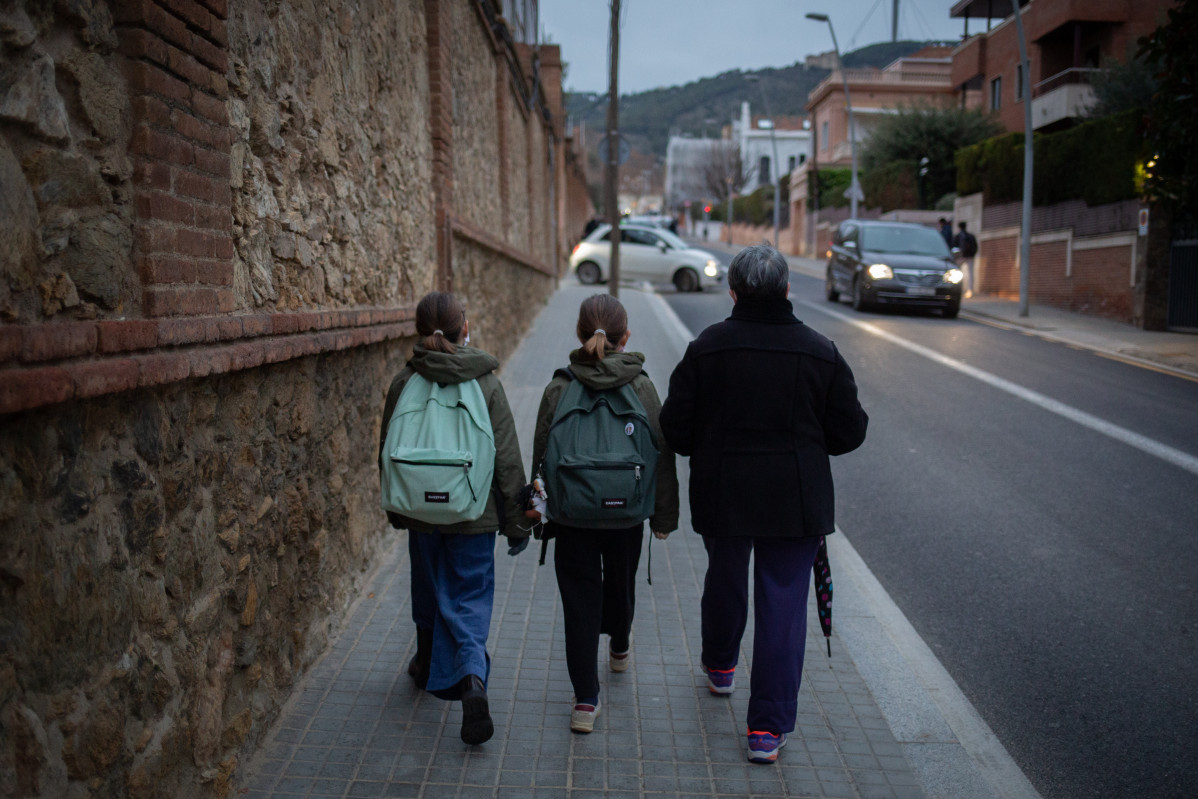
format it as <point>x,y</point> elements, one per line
<point>673,42</point>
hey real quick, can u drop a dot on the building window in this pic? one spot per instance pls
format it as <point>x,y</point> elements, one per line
<point>1019,81</point>
<point>802,158</point>
<point>763,170</point>
<point>823,136</point>
<point>996,93</point>
<point>790,163</point>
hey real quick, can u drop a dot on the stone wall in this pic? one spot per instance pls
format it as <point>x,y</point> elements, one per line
<point>329,107</point>
<point>221,217</point>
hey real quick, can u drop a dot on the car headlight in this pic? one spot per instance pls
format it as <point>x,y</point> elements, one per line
<point>711,269</point>
<point>881,272</point>
<point>954,276</point>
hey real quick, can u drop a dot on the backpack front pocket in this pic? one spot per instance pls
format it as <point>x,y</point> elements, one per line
<point>595,487</point>
<point>432,485</point>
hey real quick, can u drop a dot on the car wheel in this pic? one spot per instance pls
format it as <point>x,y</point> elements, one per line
<point>588,273</point>
<point>859,301</point>
<point>686,280</point>
<point>952,309</point>
<point>830,287</point>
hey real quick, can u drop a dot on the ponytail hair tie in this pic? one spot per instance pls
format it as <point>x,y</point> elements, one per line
<point>600,331</point>
<point>439,333</point>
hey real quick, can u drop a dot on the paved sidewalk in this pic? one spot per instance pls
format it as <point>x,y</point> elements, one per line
<point>357,726</point>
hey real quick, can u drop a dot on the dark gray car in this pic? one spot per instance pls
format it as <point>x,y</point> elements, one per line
<point>893,263</point>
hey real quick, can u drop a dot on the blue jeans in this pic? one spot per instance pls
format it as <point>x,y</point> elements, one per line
<point>453,581</point>
<point>781,578</point>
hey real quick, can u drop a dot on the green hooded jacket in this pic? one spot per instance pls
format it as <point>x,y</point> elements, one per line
<point>616,369</point>
<point>469,363</point>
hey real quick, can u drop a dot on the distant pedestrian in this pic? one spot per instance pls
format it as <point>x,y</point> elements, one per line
<point>967,250</point>
<point>946,230</point>
<point>596,561</point>
<point>453,565</point>
<point>759,401</point>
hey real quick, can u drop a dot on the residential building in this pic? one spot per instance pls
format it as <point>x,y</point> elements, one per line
<point>923,76</point>
<point>759,136</point>
<point>1068,41</point>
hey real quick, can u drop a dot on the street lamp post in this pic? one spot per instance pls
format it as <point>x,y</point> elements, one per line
<point>854,187</point>
<point>776,177</point>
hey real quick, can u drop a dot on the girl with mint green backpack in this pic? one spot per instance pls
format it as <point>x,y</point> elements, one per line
<point>451,545</point>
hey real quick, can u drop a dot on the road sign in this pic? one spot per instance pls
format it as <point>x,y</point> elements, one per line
<point>623,150</point>
<point>855,189</point>
<point>1143,221</point>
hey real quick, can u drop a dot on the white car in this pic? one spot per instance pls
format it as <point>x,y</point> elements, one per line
<point>646,253</point>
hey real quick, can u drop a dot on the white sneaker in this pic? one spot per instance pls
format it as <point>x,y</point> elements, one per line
<point>620,661</point>
<point>582,717</point>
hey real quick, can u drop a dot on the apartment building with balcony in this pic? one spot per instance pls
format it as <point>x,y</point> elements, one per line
<point>1068,42</point>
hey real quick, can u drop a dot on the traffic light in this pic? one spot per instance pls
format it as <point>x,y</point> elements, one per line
<point>707,209</point>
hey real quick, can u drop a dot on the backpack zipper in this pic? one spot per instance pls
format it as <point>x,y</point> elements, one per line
<point>465,471</point>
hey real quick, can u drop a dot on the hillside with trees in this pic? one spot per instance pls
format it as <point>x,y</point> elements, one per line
<point>648,119</point>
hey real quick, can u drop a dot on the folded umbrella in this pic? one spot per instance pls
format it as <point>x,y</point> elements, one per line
<point>823,590</point>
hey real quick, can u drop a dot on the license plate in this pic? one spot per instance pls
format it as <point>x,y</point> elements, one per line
<point>921,291</point>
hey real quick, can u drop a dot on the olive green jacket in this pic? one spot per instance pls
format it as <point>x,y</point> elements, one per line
<point>469,363</point>
<point>616,369</point>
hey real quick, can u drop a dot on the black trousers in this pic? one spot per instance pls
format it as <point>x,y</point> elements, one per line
<point>596,575</point>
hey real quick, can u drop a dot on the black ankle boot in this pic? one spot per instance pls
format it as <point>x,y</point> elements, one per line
<point>419,667</point>
<point>476,713</point>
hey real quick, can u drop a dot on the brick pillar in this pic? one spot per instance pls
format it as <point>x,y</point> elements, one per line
<point>505,165</point>
<point>176,55</point>
<point>440,91</point>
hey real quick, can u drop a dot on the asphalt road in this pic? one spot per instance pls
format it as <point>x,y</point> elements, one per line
<point>1050,564</point>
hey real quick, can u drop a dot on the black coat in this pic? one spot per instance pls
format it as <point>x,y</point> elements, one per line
<point>759,401</point>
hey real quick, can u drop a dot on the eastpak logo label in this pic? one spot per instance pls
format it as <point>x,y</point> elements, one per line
<point>612,502</point>
<point>436,496</point>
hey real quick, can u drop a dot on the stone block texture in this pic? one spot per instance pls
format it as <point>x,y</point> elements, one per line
<point>218,218</point>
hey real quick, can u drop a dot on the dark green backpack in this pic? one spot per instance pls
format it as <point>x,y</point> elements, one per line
<point>600,464</point>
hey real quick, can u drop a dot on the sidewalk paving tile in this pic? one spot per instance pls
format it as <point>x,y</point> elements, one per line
<point>356,725</point>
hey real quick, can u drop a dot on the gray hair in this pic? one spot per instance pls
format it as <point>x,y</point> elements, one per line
<point>759,271</point>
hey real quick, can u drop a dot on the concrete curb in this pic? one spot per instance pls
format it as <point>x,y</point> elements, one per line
<point>952,750</point>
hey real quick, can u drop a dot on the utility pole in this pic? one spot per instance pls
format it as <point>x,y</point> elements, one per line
<point>611,170</point>
<point>894,22</point>
<point>1025,224</point>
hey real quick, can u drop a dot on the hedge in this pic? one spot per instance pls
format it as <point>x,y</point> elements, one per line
<point>1094,161</point>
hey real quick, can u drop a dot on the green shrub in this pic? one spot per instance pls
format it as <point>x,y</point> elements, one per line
<point>832,184</point>
<point>1094,161</point>
<point>892,185</point>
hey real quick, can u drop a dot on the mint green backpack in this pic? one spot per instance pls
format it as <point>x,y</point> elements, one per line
<point>439,455</point>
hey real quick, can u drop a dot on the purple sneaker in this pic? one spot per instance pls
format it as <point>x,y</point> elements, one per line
<point>721,681</point>
<point>764,746</point>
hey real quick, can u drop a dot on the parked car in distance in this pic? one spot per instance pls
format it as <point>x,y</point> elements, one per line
<point>646,253</point>
<point>892,263</point>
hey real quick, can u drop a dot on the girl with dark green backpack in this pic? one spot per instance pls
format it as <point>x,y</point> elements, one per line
<point>596,460</point>
<point>452,548</point>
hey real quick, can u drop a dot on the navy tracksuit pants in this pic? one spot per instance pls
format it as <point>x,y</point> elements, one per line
<point>781,578</point>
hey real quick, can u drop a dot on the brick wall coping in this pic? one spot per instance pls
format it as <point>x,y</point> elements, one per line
<point>53,341</point>
<point>494,244</point>
<point>77,360</point>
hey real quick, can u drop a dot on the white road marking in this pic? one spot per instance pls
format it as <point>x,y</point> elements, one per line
<point>1121,434</point>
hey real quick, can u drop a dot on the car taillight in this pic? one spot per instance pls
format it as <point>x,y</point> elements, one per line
<point>576,246</point>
